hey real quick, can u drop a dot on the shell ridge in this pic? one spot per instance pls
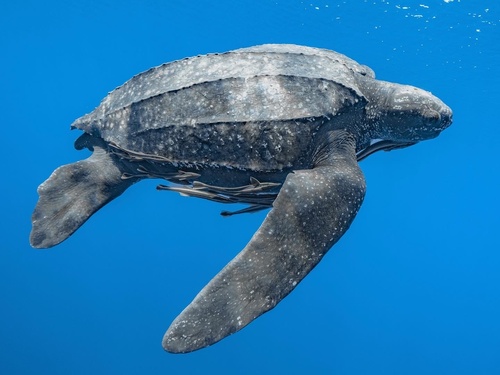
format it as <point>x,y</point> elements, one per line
<point>205,68</point>
<point>80,123</point>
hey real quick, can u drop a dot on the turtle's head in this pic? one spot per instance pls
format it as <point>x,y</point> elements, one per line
<point>407,114</point>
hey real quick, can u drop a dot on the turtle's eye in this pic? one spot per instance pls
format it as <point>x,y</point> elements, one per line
<point>433,115</point>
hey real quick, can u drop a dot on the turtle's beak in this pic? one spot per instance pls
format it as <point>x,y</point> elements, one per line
<point>442,116</point>
<point>446,116</point>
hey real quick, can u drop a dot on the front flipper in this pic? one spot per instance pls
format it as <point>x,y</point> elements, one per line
<point>72,194</point>
<point>312,211</point>
<point>382,146</point>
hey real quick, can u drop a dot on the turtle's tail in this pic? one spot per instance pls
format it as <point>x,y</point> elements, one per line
<point>72,194</point>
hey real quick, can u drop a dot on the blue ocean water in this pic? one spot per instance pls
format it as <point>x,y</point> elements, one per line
<point>412,288</point>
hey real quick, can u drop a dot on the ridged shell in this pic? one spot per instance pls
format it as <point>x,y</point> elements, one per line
<point>216,99</point>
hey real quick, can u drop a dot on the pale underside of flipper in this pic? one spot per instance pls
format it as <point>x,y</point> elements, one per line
<point>312,211</point>
<point>382,145</point>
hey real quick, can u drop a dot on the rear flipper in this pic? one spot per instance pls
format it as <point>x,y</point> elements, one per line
<point>72,194</point>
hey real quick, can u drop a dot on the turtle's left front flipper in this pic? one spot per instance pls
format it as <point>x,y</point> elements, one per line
<point>314,208</point>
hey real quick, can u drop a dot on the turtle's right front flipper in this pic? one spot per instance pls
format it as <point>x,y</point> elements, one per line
<point>381,146</point>
<point>72,194</point>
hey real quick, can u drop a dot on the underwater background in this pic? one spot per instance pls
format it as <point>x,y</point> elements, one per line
<point>412,288</point>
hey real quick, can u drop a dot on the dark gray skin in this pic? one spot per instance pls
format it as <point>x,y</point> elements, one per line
<point>279,126</point>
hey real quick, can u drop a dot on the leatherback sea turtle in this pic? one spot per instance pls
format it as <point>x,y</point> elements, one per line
<point>279,126</point>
